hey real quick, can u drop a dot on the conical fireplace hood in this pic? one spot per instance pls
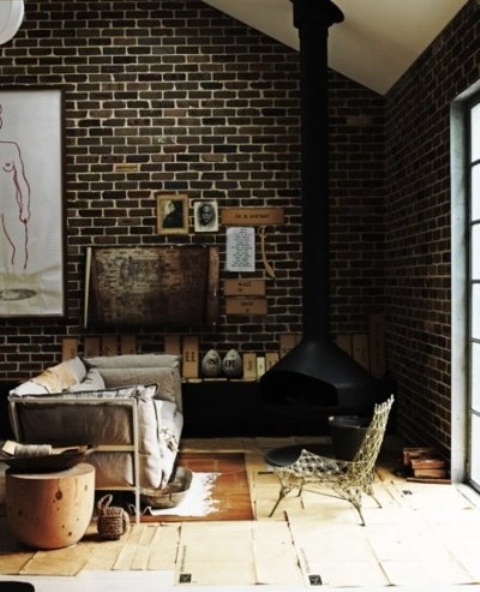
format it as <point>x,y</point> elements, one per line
<point>316,371</point>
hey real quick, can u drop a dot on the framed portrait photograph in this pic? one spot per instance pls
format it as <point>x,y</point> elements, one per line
<point>205,215</point>
<point>172,213</point>
<point>32,249</point>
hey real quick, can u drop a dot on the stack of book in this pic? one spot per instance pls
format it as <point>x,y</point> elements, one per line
<point>424,464</point>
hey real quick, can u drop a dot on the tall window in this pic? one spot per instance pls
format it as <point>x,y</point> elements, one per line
<point>473,126</point>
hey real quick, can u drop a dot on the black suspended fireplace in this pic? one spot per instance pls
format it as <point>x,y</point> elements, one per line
<point>317,372</point>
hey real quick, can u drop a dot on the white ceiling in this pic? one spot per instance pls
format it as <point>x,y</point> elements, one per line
<point>375,44</point>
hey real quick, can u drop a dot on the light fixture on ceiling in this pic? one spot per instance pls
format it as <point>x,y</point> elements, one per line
<point>11,18</point>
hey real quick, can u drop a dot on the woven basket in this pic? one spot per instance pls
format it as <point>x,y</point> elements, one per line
<point>112,521</point>
<point>170,495</point>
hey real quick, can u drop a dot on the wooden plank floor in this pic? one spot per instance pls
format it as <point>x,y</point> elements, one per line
<point>442,527</point>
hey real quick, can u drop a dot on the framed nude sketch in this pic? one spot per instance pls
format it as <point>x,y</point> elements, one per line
<point>172,213</point>
<point>32,256</point>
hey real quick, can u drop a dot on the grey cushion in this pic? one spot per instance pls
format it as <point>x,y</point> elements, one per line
<point>165,378</point>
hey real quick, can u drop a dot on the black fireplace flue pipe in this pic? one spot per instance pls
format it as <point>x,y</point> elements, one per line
<point>316,371</point>
<point>313,18</point>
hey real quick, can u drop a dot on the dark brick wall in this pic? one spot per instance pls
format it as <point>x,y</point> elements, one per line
<point>227,96</point>
<point>226,100</point>
<point>417,217</point>
<point>357,205</point>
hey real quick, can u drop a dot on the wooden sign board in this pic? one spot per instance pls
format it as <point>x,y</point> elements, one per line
<point>260,366</point>
<point>344,342</point>
<point>250,366</point>
<point>170,291</point>
<point>251,216</point>
<point>109,345</point>
<point>128,344</point>
<point>244,287</point>
<point>271,358</point>
<point>172,345</point>
<point>190,353</point>
<point>69,348</point>
<point>91,347</point>
<point>360,350</point>
<point>126,167</point>
<point>246,306</point>
<point>213,300</point>
<point>288,342</point>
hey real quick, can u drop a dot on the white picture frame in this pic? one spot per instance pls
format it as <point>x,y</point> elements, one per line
<point>32,250</point>
<point>205,215</point>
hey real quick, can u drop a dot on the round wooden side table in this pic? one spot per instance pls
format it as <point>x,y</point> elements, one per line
<point>50,510</point>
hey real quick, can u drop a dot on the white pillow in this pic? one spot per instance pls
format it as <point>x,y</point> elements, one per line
<point>29,388</point>
<point>93,381</point>
<point>77,367</point>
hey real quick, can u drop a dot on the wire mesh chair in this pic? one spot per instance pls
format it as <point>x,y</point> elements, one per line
<point>348,480</point>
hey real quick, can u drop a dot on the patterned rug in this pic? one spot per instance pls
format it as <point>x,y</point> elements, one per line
<point>226,490</point>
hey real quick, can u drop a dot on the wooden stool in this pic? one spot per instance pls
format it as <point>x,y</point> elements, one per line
<point>50,510</point>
